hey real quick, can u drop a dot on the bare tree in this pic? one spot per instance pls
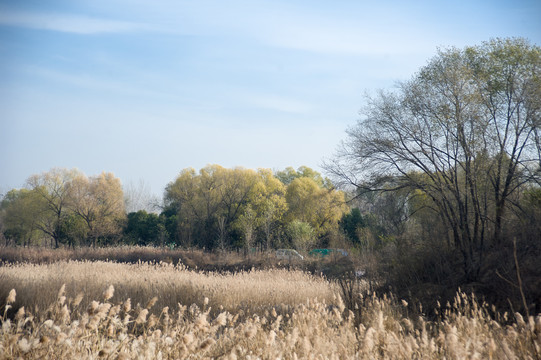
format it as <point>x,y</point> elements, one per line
<point>462,131</point>
<point>139,197</point>
<point>222,232</point>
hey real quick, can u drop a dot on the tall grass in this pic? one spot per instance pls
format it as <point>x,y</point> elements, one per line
<point>250,291</point>
<point>117,330</point>
<point>160,311</point>
<point>192,258</point>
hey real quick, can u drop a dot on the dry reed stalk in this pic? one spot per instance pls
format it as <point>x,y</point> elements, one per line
<point>253,291</point>
<point>312,328</point>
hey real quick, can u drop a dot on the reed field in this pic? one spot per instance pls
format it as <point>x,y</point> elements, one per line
<point>250,291</point>
<point>106,310</point>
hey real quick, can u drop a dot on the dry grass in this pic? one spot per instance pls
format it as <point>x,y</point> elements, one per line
<point>194,259</point>
<point>250,291</point>
<point>110,330</point>
<point>127,254</point>
<point>234,316</point>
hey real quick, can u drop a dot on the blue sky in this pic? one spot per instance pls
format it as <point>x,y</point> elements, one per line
<point>145,89</point>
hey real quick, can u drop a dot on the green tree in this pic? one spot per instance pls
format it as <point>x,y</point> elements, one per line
<point>99,201</point>
<point>53,187</point>
<point>238,188</point>
<point>322,208</point>
<point>144,228</point>
<point>211,203</point>
<point>21,210</point>
<point>200,203</point>
<point>302,235</point>
<point>351,223</point>
<point>220,207</point>
<point>169,219</point>
<point>270,206</point>
<point>182,198</point>
<point>247,223</point>
<point>289,174</point>
<point>73,230</point>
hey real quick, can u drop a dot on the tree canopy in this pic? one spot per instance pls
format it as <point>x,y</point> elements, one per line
<point>65,206</point>
<point>220,207</point>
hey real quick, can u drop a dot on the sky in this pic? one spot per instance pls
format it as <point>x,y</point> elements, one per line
<point>144,89</point>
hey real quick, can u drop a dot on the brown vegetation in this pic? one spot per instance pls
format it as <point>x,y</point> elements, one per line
<point>193,259</point>
<point>251,291</point>
<point>214,320</point>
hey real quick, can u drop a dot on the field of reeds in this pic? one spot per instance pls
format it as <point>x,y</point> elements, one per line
<point>106,310</point>
<point>249,291</point>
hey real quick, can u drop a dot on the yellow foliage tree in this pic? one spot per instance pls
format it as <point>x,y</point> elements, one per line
<point>322,208</point>
<point>99,201</point>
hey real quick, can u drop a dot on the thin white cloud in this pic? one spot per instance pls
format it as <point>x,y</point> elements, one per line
<point>282,27</point>
<point>341,36</point>
<point>278,103</point>
<point>91,82</point>
<point>67,23</point>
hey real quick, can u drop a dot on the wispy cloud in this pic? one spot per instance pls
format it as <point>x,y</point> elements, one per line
<point>67,23</point>
<point>278,103</point>
<point>92,82</point>
<point>329,35</point>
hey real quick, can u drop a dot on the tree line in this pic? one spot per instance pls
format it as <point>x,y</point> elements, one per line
<point>63,207</point>
<point>213,208</point>
<point>440,183</point>
<point>448,160</point>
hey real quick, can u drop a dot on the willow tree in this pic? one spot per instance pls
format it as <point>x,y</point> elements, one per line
<point>463,132</point>
<point>54,190</point>
<point>270,205</point>
<point>99,202</point>
<point>319,207</point>
<point>20,212</point>
<point>208,203</point>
